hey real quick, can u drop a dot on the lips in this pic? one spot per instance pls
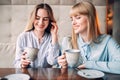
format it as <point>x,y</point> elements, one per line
<point>40,26</point>
<point>75,27</point>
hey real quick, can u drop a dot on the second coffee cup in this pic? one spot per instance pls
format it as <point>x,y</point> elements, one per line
<point>72,56</point>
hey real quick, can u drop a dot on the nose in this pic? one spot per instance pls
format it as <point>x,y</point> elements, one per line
<point>40,21</point>
<point>73,21</point>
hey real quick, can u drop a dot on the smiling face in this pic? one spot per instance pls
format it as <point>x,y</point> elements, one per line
<point>80,23</point>
<point>84,22</point>
<point>41,20</point>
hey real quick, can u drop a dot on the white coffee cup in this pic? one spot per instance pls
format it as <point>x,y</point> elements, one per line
<point>72,56</point>
<point>31,53</point>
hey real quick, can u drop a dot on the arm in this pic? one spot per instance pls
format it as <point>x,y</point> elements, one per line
<point>66,44</point>
<point>17,62</point>
<point>20,59</point>
<point>54,48</point>
<point>54,31</point>
<point>53,53</point>
<point>112,65</point>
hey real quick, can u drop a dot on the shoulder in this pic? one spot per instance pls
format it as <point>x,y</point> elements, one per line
<point>107,39</point>
<point>24,34</point>
<point>103,38</point>
<point>27,33</point>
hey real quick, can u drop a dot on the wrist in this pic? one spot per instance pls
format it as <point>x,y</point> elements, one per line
<point>22,66</point>
<point>54,40</point>
<point>64,67</point>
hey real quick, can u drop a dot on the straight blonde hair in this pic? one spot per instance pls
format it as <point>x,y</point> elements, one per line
<point>88,9</point>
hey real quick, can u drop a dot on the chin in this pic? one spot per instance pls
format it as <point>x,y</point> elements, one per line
<point>40,30</point>
<point>76,31</point>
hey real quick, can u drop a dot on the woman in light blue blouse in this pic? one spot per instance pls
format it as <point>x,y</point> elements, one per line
<point>40,32</point>
<point>99,51</point>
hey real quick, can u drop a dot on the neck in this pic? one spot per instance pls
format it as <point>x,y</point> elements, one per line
<point>38,34</point>
<point>85,37</point>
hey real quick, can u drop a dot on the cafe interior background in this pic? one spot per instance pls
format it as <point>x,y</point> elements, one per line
<point>14,15</point>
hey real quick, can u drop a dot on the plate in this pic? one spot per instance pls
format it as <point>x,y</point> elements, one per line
<point>91,74</point>
<point>17,77</point>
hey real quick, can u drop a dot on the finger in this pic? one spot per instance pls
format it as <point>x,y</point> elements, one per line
<point>25,62</point>
<point>81,66</point>
<point>63,53</point>
<point>62,62</point>
<point>61,59</point>
<point>23,57</point>
<point>24,66</point>
<point>64,65</point>
<point>63,56</point>
<point>54,25</point>
<point>24,53</point>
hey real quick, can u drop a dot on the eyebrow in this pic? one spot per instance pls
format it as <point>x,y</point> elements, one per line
<point>45,17</point>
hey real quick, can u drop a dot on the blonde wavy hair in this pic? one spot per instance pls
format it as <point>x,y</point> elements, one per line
<point>88,9</point>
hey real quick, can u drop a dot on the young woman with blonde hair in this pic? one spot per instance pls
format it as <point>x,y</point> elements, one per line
<point>40,32</point>
<point>99,51</point>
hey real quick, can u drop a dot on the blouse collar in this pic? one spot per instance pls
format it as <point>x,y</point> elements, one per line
<point>81,42</point>
<point>43,38</point>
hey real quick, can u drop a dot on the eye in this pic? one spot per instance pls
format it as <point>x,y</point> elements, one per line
<point>71,18</point>
<point>37,17</point>
<point>45,19</point>
<point>78,17</point>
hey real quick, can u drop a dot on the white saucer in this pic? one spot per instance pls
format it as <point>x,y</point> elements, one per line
<point>18,77</point>
<point>91,74</point>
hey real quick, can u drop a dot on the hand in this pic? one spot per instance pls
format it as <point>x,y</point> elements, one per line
<point>54,28</point>
<point>24,62</point>
<point>54,31</point>
<point>62,61</point>
<point>81,66</point>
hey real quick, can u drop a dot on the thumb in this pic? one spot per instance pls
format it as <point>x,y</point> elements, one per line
<point>81,66</point>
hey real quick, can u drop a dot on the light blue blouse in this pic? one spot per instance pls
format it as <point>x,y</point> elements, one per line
<point>47,55</point>
<point>103,54</point>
